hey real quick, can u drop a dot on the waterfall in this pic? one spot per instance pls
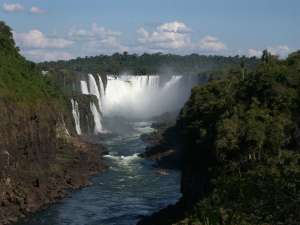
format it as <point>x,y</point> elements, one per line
<point>90,87</point>
<point>95,90</point>
<point>84,87</point>
<point>153,81</point>
<point>143,96</point>
<point>102,90</point>
<point>97,118</point>
<point>76,116</point>
<point>102,93</point>
<point>134,97</point>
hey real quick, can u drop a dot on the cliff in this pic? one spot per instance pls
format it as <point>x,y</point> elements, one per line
<point>39,157</point>
<point>240,149</point>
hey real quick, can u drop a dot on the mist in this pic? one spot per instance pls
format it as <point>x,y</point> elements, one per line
<point>142,97</point>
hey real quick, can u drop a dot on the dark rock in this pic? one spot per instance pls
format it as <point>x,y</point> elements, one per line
<point>39,174</point>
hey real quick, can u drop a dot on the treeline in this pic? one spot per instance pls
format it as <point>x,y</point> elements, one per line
<point>152,64</point>
<point>241,140</point>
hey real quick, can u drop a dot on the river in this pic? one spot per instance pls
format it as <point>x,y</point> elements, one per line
<point>130,188</point>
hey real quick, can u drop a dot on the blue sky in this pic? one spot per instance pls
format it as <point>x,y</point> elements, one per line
<point>63,29</point>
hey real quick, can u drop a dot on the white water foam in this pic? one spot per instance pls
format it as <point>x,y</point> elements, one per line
<point>124,160</point>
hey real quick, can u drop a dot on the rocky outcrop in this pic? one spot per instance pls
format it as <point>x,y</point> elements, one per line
<point>40,155</point>
<point>87,123</point>
<point>165,148</point>
<point>39,159</point>
<point>162,146</point>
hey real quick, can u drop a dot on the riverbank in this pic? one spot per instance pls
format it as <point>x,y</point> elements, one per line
<point>23,193</point>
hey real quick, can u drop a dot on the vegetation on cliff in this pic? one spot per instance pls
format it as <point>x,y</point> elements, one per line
<point>242,146</point>
<point>19,78</point>
<point>39,158</point>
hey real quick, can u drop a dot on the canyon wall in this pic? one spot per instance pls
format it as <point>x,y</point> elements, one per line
<point>40,155</point>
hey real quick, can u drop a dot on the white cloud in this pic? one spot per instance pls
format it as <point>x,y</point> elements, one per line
<point>254,53</point>
<point>39,55</point>
<point>36,39</point>
<point>37,10</point>
<point>209,43</point>
<point>177,37</point>
<point>281,50</point>
<point>14,7</point>
<point>98,39</point>
<point>175,26</point>
<point>173,35</point>
<point>95,33</point>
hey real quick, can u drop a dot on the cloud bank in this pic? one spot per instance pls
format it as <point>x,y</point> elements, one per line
<point>281,51</point>
<point>36,10</point>
<point>177,36</point>
<point>170,37</point>
<point>17,7</point>
<point>14,7</point>
<point>36,39</point>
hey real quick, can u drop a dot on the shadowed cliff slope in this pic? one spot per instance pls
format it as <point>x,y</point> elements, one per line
<point>240,147</point>
<point>39,158</point>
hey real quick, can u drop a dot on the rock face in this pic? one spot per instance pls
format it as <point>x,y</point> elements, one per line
<point>39,159</point>
<point>40,155</point>
<point>162,145</point>
<point>166,154</point>
<point>166,147</point>
<point>87,123</point>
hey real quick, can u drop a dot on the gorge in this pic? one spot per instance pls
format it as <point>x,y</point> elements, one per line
<point>131,187</point>
<point>130,97</point>
<point>211,140</point>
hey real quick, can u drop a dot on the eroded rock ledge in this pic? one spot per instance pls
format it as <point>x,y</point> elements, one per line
<point>39,159</point>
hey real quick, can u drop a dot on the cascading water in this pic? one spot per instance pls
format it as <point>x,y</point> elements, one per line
<point>135,97</point>
<point>91,88</point>
<point>94,90</point>
<point>144,96</point>
<point>102,89</point>
<point>76,116</point>
<point>97,119</point>
<point>84,87</point>
<point>102,93</point>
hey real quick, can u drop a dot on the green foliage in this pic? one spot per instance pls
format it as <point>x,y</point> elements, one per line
<point>20,80</point>
<point>206,66</point>
<point>248,123</point>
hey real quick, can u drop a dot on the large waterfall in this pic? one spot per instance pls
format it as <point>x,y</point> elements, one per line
<point>144,96</point>
<point>133,97</point>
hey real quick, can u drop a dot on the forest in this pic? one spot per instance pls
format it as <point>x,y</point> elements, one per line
<point>241,143</point>
<point>157,63</point>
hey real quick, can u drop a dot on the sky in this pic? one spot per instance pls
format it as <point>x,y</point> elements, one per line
<point>64,29</point>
